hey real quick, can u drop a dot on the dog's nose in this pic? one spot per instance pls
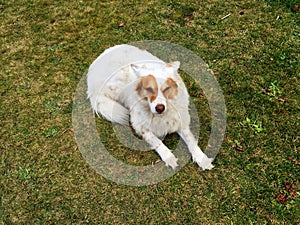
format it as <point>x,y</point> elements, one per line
<point>159,108</point>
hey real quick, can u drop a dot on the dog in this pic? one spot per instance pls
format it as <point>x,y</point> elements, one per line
<point>128,84</point>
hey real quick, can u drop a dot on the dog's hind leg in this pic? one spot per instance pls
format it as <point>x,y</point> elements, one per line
<point>198,156</point>
<point>165,154</point>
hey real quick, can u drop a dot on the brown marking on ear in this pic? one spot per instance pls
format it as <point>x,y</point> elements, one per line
<point>170,64</point>
<point>169,88</point>
<point>139,86</point>
<point>174,64</point>
<point>147,87</point>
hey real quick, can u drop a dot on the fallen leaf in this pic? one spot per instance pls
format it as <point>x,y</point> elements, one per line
<point>281,99</point>
<point>281,198</point>
<point>291,189</point>
<point>295,161</point>
<point>239,148</point>
<point>296,8</point>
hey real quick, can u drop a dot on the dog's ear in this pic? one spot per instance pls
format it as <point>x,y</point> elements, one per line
<point>175,65</point>
<point>170,88</point>
<point>136,69</point>
<point>139,86</point>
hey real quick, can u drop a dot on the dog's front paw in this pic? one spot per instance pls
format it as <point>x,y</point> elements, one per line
<point>171,161</point>
<point>206,163</point>
<point>202,160</point>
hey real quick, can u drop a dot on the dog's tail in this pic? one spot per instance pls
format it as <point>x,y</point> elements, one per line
<point>110,109</point>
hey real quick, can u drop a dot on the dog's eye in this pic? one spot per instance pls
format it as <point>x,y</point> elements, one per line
<point>166,89</point>
<point>149,89</point>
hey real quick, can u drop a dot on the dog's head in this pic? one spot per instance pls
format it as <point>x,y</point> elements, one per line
<point>156,85</point>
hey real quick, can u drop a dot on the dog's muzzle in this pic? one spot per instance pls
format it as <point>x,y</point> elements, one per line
<point>158,106</point>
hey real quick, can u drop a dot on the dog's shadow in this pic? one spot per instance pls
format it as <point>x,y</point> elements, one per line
<point>129,138</point>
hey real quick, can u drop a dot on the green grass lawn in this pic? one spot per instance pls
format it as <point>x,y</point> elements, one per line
<point>46,47</point>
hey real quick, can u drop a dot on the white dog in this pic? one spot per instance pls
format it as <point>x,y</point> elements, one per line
<point>127,82</point>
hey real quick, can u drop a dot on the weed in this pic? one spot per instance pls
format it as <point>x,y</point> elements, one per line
<point>52,107</point>
<point>25,173</point>
<point>275,91</point>
<point>52,132</point>
<point>254,125</point>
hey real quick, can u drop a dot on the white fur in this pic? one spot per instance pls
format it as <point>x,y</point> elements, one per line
<point>112,81</point>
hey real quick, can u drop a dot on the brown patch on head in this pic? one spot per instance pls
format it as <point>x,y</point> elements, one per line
<point>152,98</point>
<point>147,87</point>
<point>169,88</point>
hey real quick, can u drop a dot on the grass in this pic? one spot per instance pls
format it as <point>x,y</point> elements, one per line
<point>47,46</point>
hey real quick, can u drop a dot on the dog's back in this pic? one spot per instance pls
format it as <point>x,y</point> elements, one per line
<point>102,70</point>
<point>110,61</point>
